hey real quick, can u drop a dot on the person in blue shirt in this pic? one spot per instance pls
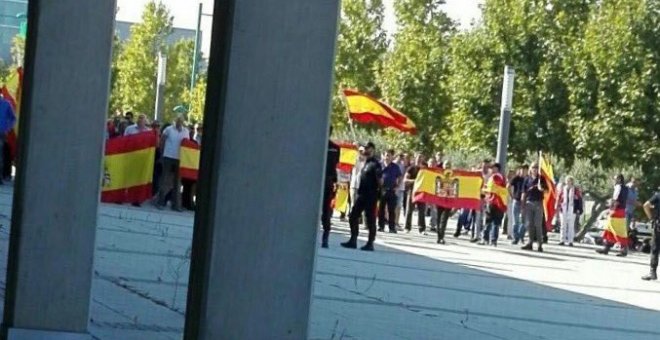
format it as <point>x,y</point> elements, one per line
<point>392,177</point>
<point>7,122</point>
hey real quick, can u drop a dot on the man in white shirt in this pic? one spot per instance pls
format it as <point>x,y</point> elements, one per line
<point>139,127</point>
<point>170,143</point>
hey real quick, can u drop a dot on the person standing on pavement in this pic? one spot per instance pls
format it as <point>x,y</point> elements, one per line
<point>496,198</point>
<point>355,176</point>
<point>515,191</point>
<point>652,211</point>
<point>403,162</point>
<point>632,201</point>
<point>411,175</point>
<point>7,122</point>
<point>392,177</point>
<point>329,187</point>
<point>443,214</point>
<point>170,143</point>
<point>615,233</point>
<point>569,204</point>
<point>139,127</point>
<point>532,199</point>
<point>485,174</point>
<point>371,180</point>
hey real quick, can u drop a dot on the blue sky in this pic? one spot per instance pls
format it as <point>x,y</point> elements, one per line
<point>185,13</point>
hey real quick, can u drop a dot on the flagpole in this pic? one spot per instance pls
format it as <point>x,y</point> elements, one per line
<point>348,113</point>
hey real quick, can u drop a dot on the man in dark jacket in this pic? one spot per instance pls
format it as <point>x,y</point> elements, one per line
<point>371,180</point>
<point>329,189</point>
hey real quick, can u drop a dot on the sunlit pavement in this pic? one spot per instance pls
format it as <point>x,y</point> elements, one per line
<point>409,288</point>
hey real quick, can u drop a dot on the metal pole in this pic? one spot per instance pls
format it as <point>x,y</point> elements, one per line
<point>505,116</point>
<point>193,77</point>
<point>160,86</point>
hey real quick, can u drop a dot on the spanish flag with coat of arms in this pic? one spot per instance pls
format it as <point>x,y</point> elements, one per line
<point>447,188</point>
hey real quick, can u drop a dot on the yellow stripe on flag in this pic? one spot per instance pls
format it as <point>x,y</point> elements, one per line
<point>189,158</point>
<point>341,199</point>
<point>365,104</point>
<point>129,169</point>
<point>348,156</point>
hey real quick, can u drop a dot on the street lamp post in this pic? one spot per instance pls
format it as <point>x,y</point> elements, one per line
<point>198,43</point>
<point>505,116</point>
<point>160,86</point>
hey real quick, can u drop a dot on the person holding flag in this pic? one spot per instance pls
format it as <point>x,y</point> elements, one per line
<point>532,198</point>
<point>616,230</point>
<point>496,198</point>
<point>7,122</point>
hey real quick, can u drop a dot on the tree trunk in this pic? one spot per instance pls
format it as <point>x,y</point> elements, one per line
<point>596,210</point>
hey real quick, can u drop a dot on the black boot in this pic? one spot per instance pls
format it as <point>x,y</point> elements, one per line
<point>351,244</point>
<point>652,275</point>
<point>605,250</point>
<point>368,247</point>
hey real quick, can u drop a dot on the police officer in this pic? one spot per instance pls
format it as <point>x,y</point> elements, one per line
<point>652,210</point>
<point>329,189</point>
<point>371,180</point>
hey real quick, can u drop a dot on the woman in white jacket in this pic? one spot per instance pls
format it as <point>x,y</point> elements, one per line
<point>570,206</point>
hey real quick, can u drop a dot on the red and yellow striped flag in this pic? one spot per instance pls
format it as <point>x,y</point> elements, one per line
<point>128,168</point>
<point>189,160</point>
<point>365,109</point>
<point>348,156</point>
<point>550,196</point>
<point>452,189</point>
<point>341,198</point>
<point>616,230</point>
<point>12,91</point>
<point>496,187</point>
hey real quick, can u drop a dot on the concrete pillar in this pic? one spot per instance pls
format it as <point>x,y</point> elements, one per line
<point>65,100</point>
<point>265,141</point>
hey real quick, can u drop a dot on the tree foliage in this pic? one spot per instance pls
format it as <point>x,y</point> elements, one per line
<point>415,72</point>
<point>361,45</point>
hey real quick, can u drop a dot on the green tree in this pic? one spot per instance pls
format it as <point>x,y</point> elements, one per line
<point>135,87</point>
<point>179,70</point>
<point>117,48</point>
<point>196,100</point>
<point>361,44</point>
<point>414,74</point>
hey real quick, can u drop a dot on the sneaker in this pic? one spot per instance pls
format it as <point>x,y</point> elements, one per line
<point>442,241</point>
<point>434,229</point>
<point>561,244</point>
<point>602,251</point>
<point>526,247</point>
<point>570,244</point>
<point>380,230</point>
<point>622,254</point>
<point>349,245</point>
<point>494,244</point>
<point>482,243</point>
<point>651,276</point>
<point>515,242</point>
<point>474,240</point>
<point>368,247</point>
<point>457,235</point>
<point>324,245</point>
<point>540,250</point>
<point>392,231</point>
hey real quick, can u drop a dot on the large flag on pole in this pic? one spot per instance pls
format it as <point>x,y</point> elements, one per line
<point>452,189</point>
<point>550,197</point>
<point>365,109</point>
<point>128,168</point>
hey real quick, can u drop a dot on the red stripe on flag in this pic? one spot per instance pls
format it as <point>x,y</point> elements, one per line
<point>132,143</point>
<point>136,194</point>
<point>451,203</point>
<point>191,174</point>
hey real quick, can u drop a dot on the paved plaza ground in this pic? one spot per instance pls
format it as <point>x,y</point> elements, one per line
<point>410,288</point>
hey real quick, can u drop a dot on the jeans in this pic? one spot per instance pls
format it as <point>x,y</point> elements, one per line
<point>494,219</point>
<point>518,226</point>
<point>534,222</point>
<point>387,200</point>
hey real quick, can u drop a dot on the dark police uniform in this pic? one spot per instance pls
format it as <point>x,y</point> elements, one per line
<point>328,189</point>
<point>367,197</point>
<point>655,241</point>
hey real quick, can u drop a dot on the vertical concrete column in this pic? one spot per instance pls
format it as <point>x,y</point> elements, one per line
<point>266,128</point>
<point>65,100</point>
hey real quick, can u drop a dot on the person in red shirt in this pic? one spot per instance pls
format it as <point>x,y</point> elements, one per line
<point>495,205</point>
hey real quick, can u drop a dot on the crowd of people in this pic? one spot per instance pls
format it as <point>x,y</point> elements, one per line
<point>381,192</point>
<point>167,185</point>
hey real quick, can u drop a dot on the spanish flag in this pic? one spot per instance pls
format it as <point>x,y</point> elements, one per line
<point>616,230</point>
<point>550,197</point>
<point>496,188</point>
<point>128,168</point>
<point>12,92</point>
<point>348,156</point>
<point>341,198</point>
<point>189,162</point>
<point>365,109</point>
<point>452,189</point>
